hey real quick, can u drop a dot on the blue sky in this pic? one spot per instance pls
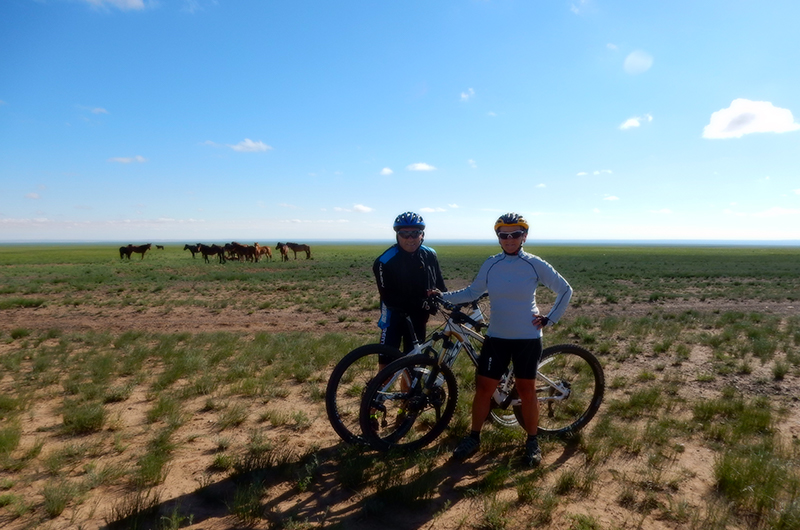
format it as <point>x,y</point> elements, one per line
<point>256,120</point>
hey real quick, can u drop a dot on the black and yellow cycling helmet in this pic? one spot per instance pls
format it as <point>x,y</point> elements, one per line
<point>511,219</point>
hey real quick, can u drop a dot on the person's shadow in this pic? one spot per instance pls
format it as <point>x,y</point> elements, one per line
<point>393,502</point>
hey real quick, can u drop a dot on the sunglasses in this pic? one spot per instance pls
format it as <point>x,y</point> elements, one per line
<point>516,234</point>
<point>409,234</point>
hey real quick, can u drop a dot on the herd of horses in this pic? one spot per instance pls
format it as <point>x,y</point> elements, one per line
<point>227,252</point>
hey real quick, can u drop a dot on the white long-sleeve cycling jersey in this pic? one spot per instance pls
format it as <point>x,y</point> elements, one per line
<point>511,281</point>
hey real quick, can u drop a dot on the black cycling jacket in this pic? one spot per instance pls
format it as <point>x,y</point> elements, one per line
<point>404,279</point>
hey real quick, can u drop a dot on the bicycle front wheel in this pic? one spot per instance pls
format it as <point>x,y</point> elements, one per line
<point>347,384</point>
<point>570,384</point>
<point>408,404</point>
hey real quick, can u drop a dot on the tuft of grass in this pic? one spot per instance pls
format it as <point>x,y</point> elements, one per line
<point>57,495</point>
<point>83,417</point>
<point>135,510</point>
<point>19,333</point>
<point>13,303</point>
<point>232,416</point>
<point>246,504</point>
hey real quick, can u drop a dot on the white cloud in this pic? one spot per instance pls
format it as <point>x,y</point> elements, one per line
<point>466,96</point>
<point>636,121</point>
<point>386,171</point>
<point>360,208</point>
<point>581,174</point>
<point>420,166</point>
<point>612,46</point>
<point>638,62</point>
<point>31,195</point>
<point>746,117</point>
<point>491,114</point>
<point>541,185</point>
<point>432,210</point>
<point>611,198</point>
<point>797,191</point>
<point>472,164</point>
<point>602,172</point>
<point>128,160</point>
<point>249,146</point>
<point>124,5</point>
<point>456,206</point>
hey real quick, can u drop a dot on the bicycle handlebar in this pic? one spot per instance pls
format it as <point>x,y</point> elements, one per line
<point>436,301</point>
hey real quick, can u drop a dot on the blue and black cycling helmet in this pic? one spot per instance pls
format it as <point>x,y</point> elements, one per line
<point>511,219</point>
<point>409,220</point>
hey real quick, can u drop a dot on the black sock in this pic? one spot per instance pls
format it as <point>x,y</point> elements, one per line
<point>475,435</point>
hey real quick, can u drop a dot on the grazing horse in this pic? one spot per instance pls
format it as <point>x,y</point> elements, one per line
<point>125,252</point>
<point>262,251</point>
<point>211,250</point>
<point>299,248</point>
<point>284,250</point>
<point>191,248</point>
<point>141,249</point>
<point>160,247</point>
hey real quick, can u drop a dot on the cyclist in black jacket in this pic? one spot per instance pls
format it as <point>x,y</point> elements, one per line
<point>405,273</point>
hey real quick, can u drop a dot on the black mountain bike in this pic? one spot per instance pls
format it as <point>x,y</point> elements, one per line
<point>411,401</point>
<point>350,377</point>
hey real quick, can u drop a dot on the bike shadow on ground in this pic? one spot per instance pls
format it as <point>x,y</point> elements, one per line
<point>407,495</point>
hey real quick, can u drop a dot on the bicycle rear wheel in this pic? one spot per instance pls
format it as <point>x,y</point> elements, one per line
<point>570,385</point>
<point>408,404</point>
<point>346,385</point>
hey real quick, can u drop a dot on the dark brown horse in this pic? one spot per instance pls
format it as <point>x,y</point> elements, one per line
<point>284,250</point>
<point>211,250</point>
<point>244,251</point>
<point>125,252</point>
<point>191,248</point>
<point>299,248</point>
<point>141,249</point>
<point>160,247</point>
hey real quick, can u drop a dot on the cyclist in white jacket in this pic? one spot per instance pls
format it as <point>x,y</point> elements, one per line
<point>515,328</point>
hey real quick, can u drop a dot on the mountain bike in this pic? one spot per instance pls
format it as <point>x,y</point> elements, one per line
<point>350,377</point>
<point>411,401</point>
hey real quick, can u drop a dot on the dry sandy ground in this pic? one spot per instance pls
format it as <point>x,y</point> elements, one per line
<point>327,503</point>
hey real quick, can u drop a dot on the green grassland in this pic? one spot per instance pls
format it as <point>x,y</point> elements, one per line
<point>701,348</point>
<point>606,274</point>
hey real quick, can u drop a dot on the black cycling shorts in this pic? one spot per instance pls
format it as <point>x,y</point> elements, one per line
<point>497,354</point>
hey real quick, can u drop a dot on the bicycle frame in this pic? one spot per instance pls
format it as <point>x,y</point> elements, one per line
<point>457,328</point>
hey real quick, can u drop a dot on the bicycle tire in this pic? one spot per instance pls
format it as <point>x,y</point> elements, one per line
<point>416,418</point>
<point>578,370</point>
<point>346,385</point>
